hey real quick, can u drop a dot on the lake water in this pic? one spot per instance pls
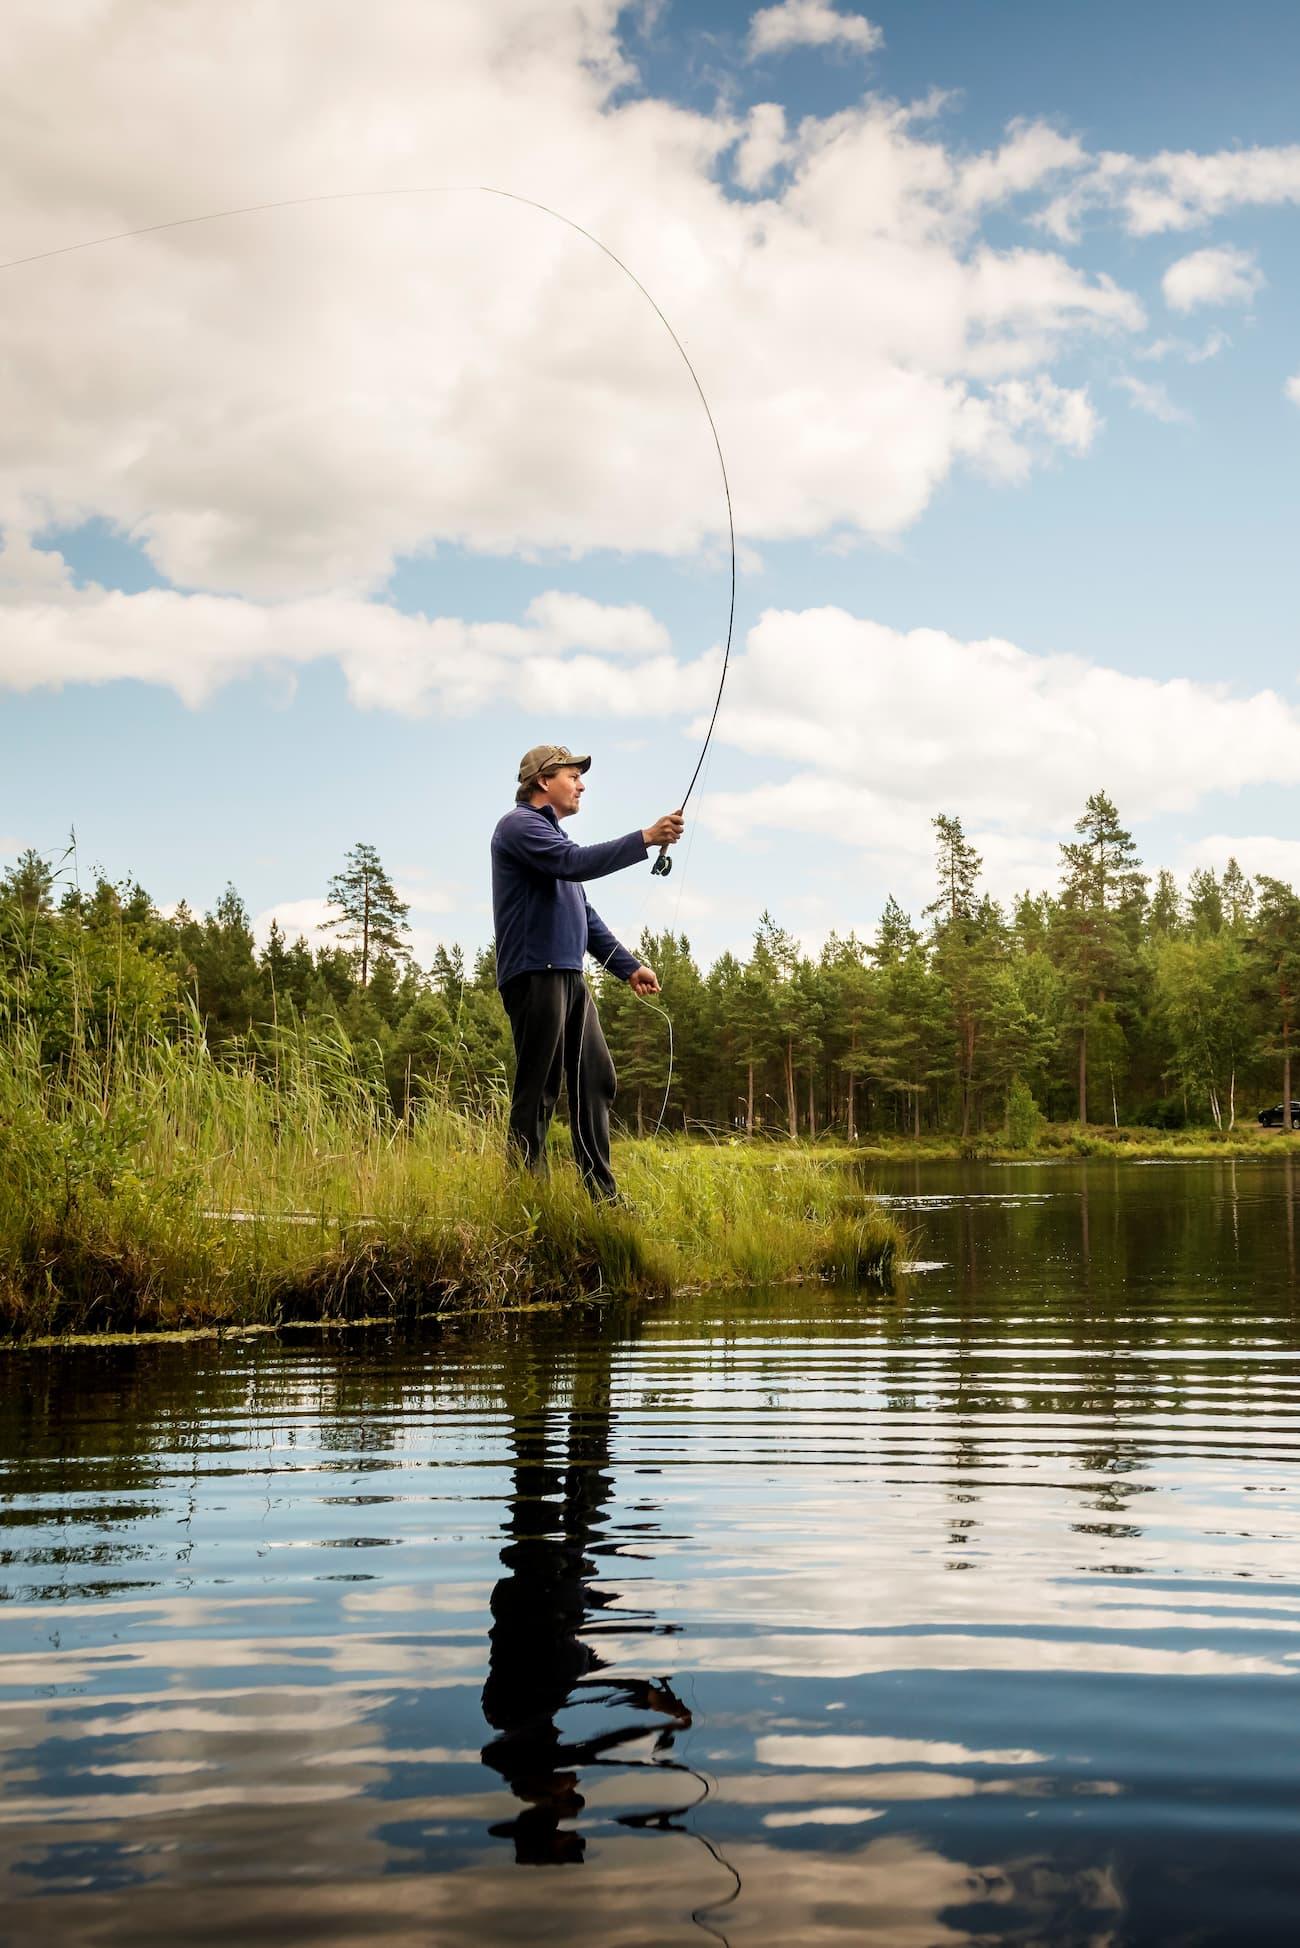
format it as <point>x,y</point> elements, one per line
<point>967,1617</point>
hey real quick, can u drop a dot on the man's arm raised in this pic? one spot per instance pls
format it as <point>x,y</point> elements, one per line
<point>535,842</point>
<point>666,830</point>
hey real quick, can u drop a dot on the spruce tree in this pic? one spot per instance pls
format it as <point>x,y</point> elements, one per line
<point>1098,920</point>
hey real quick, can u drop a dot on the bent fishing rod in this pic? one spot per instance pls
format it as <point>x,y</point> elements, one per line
<point>663,865</point>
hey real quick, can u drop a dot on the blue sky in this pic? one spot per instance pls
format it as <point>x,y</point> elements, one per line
<point>1042,408</point>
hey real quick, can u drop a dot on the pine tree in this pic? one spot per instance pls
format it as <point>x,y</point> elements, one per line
<point>371,915</point>
<point>775,962</point>
<point>274,964</point>
<point>420,1057</point>
<point>1275,966</point>
<point>911,1047</point>
<point>851,1011</point>
<point>226,983</point>
<point>447,974</point>
<point>1238,897</point>
<point>1205,902</point>
<point>484,976</point>
<point>26,907</point>
<point>685,1001</point>
<point>382,989</point>
<point>755,1027</point>
<point>730,1051</point>
<point>1166,916</point>
<point>968,943</point>
<point>1098,920</point>
<point>638,1045</point>
<point>959,870</point>
<point>28,884</point>
<point>302,983</point>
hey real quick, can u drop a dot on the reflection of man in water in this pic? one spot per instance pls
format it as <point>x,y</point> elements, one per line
<point>541,1656</point>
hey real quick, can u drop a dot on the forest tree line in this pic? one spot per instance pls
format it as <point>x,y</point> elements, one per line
<point>1121,997</point>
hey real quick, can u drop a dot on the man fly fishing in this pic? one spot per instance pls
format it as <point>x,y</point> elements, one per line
<point>545,925</point>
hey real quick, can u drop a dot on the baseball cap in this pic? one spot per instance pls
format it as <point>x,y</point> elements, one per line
<point>548,757</point>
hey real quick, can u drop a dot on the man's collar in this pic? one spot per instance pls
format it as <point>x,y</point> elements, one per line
<point>548,812</point>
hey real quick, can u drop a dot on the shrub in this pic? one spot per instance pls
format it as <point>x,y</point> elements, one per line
<point>1024,1118</point>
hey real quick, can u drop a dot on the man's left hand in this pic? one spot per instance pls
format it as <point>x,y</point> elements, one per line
<point>644,981</point>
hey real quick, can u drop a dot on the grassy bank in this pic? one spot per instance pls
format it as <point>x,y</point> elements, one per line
<point>1065,1140</point>
<point>146,1185</point>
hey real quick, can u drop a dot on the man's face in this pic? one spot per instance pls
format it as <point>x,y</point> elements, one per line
<point>563,790</point>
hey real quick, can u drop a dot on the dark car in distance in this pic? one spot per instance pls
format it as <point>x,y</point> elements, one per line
<point>1273,1119</point>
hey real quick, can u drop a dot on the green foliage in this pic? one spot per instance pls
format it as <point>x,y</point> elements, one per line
<point>1096,934</point>
<point>1024,1117</point>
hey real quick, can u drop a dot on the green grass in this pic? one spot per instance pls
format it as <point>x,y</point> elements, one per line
<point>1059,1140</point>
<point>147,1185</point>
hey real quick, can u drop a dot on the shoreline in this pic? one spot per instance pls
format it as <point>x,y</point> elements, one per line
<point>1057,1143</point>
<point>453,1234</point>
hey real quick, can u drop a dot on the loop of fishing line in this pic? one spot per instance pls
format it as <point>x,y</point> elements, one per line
<point>663,864</point>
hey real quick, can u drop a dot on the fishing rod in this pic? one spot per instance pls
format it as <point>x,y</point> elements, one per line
<point>663,865</point>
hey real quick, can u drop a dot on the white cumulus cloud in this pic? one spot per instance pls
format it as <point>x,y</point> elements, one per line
<point>284,403</point>
<point>1259,852</point>
<point>1221,275</point>
<point>884,727</point>
<point>52,633</point>
<point>810,23</point>
<point>1175,190</point>
<point>563,621</point>
<point>764,147</point>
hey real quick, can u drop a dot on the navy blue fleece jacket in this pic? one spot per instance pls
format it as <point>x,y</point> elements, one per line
<point>543,918</point>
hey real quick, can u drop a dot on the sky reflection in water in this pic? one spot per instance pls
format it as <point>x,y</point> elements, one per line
<point>969,1617</point>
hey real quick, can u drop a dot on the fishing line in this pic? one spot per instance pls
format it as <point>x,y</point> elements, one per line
<point>663,864</point>
<point>677,910</point>
<point>663,1107</point>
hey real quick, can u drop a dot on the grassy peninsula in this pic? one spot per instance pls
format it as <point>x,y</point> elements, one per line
<point>147,1183</point>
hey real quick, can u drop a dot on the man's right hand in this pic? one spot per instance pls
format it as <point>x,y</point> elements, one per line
<point>666,830</point>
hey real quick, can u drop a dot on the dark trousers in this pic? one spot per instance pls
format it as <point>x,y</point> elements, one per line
<point>558,1034</point>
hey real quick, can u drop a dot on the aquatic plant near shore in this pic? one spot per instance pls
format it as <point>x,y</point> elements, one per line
<point>146,1183</point>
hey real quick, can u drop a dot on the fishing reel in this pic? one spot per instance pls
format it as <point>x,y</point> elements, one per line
<point>663,865</point>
